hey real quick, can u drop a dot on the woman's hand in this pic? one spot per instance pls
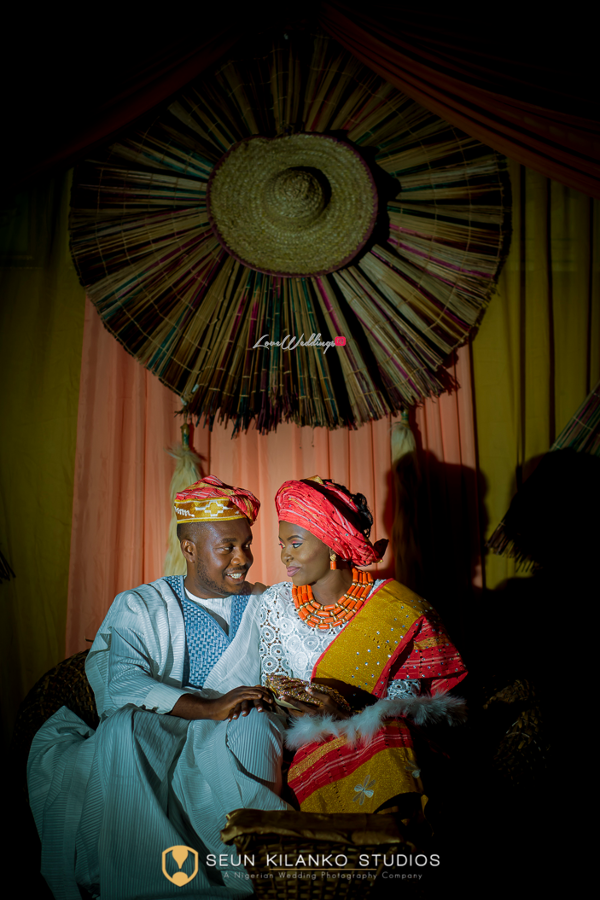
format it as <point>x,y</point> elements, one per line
<point>327,707</point>
<point>259,588</point>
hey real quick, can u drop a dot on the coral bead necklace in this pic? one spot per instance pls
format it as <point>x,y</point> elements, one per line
<point>317,616</point>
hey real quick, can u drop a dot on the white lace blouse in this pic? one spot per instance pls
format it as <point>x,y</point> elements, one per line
<point>288,646</point>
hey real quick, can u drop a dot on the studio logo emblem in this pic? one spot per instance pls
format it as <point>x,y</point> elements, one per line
<point>179,853</point>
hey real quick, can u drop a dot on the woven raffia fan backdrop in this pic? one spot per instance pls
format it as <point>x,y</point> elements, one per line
<point>404,287</point>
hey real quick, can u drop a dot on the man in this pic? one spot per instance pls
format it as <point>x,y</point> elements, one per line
<point>184,737</point>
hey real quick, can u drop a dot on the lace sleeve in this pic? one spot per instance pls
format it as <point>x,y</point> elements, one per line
<point>272,661</point>
<point>403,687</point>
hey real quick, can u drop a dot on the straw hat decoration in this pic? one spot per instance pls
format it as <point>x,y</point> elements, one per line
<point>301,204</point>
<point>292,193</point>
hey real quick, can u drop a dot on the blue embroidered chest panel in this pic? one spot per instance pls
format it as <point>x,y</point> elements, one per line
<point>205,639</point>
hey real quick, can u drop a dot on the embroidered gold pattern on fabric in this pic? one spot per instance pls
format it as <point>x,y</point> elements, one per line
<point>298,689</point>
<point>207,510</point>
<point>377,630</point>
<point>438,641</point>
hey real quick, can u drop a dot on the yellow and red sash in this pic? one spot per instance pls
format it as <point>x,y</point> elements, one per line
<point>395,635</point>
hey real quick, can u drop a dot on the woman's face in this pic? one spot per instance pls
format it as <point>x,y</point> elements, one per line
<point>305,557</point>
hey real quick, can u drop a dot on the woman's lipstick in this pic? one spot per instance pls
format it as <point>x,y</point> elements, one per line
<point>291,571</point>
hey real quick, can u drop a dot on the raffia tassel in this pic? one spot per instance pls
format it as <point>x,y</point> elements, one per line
<point>187,471</point>
<point>403,440</point>
<point>405,468</point>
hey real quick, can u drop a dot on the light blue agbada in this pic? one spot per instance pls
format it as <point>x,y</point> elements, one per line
<point>107,803</point>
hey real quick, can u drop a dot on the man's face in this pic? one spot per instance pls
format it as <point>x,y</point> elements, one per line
<point>218,558</point>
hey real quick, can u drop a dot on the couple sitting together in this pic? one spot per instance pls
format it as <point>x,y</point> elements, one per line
<point>188,728</point>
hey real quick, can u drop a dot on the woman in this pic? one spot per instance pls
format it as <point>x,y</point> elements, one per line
<point>376,642</point>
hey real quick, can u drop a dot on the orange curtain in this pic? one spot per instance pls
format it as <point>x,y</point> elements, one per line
<point>122,474</point>
<point>121,486</point>
<point>448,527</point>
<point>517,86</point>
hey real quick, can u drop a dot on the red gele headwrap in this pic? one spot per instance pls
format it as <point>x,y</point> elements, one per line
<point>210,500</point>
<point>329,514</point>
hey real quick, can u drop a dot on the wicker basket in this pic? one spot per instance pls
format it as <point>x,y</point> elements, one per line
<point>64,685</point>
<point>275,849</point>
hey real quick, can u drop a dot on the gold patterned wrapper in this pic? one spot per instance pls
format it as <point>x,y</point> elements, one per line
<point>378,630</point>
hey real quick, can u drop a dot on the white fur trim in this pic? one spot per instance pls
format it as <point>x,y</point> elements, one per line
<point>363,726</point>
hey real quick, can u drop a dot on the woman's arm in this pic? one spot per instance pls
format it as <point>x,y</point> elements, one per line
<point>273,659</point>
<point>427,658</point>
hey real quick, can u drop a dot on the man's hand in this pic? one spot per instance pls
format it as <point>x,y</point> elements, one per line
<point>191,706</point>
<point>243,708</point>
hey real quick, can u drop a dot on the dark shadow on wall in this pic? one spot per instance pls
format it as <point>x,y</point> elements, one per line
<point>443,524</point>
<point>504,798</point>
<point>518,788</point>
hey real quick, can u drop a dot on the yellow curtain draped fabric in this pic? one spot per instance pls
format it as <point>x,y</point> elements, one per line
<point>537,354</point>
<point>41,331</point>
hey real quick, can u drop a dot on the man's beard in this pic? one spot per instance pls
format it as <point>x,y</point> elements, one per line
<point>209,585</point>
